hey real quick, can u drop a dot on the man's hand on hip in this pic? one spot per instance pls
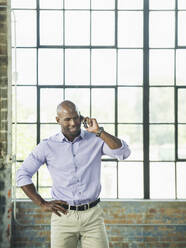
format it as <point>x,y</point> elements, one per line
<point>54,206</point>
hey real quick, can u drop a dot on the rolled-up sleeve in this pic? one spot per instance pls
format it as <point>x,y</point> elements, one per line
<point>31,165</point>
<point>120,153</point>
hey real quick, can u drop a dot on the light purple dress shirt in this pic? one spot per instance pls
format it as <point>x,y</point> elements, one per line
<point>74,166</point>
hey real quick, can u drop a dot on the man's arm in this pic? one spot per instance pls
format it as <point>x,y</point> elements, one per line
<point>51,206</point>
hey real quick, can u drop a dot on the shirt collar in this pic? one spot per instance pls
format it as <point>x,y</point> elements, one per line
<point>63,138</point>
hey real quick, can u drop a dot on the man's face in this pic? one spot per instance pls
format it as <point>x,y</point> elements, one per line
<point>70,122</point>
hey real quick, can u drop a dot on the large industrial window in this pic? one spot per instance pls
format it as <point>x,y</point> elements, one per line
<point>122,62</point>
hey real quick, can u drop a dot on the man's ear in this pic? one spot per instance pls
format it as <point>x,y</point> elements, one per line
<point>57,119</point>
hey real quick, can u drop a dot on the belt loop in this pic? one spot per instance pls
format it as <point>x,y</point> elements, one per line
<point>68,207</point>
<point>88,205</point>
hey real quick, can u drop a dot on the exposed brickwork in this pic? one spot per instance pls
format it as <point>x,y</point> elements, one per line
<point>5,169</point>
<point>117,214</point>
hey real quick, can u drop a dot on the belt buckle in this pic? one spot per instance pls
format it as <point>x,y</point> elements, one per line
<point>86,206</point>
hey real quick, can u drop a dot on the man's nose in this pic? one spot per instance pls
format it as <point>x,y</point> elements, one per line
<point>72,122</point>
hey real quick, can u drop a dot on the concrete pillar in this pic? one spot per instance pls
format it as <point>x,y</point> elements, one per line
<point>5,125</point>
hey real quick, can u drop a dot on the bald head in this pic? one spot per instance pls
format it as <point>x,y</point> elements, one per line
<point>66,106</point>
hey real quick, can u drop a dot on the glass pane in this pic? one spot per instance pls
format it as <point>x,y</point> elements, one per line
<point>130,180</point>
<point>161,104</point>
<point>26,65</point>
<point>161,67</point>
<point>103,105</point>
<point>48,73</point>
<point>74,4</point>
<point>180,67</point>
<point>181,28</point>
<point>182,141</point>
<point>133,135</point>
<point>181,180</point>
<point>159,4</point>
<point>130,66</point>
<point>25,28</point>
<point>102,4</point>
<point>48,4</point>
<point>26,104</point>
<point>181,4</point>
<point>162,142</point>
<point>81,97</point>
<point>110,128</point>
<point>103,28</point>
<point>77,66</point>
<point>162,180</point>
<point>77,27</point>
<point>181,105</point>
<point>30,4</point>
<point>48,111</point>
<point>128,4</point>
<point>47,130</point>
<point>130,104</point>
<point>45,192</point>
<point>26,140</point>
<point>108,180</point>
<point>51,27</point>
<point>44,176</point>
<point>103,66</point>
<point>130,29</point>
<point>162,25</point>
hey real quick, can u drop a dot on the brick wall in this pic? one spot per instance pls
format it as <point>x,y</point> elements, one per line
<point>117,216</point>
<point>5,169</point>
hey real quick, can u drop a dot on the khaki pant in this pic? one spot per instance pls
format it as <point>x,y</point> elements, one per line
<point>88,226</point>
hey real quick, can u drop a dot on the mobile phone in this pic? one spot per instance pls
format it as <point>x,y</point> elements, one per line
<point>83,121</point>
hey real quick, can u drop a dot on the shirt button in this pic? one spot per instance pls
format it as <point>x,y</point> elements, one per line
<point>80,193</point>
<point>74,155</point>
<point>78,180</point>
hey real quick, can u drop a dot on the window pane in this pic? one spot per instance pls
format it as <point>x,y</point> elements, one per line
<point>108,180</point>
<point>128,4</point>
<point>44,176</point>
<point>45,192</point>
<point>26,65</point>
<point>182,141</point>
<point>26,104</point>
<point>26,140</point>
<point>25,28</point>
<point>162,180</point>
<point>180,67</point>
<point>77,28</point>
<point>103,28</point>
<point>181,105</point>
<point>181,28</point>
<point>77,66</point>
<point>103,105</point>
<point>181,180</point>
<point>159,4</point>
<point>103,4</point>
<point>161,104</point>
<point>181,4</point>
<point>47,130</point>
<point>130,66</point>
<point>110,128</point>
<point>74,4</point>
<point>51,27</point>
<point>48,4</point>
<point>130,104</point>
<point>48,73</point>
<point>130,180</point>
<point>161,67</point>
<point>130,29</point>
<point>103,66</point>
<point>162,142</point>
<point>30,4</point>
<point>48,111</point>
<point>81,97</point>
<point>162,26</point>
<point>133,135</point>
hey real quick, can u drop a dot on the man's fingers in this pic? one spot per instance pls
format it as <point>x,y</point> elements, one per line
<point>56,212</point>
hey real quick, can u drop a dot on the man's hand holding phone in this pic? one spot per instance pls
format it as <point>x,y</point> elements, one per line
<point>90,124</point>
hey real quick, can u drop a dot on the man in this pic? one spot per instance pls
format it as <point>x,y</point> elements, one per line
<point>73,158</point>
